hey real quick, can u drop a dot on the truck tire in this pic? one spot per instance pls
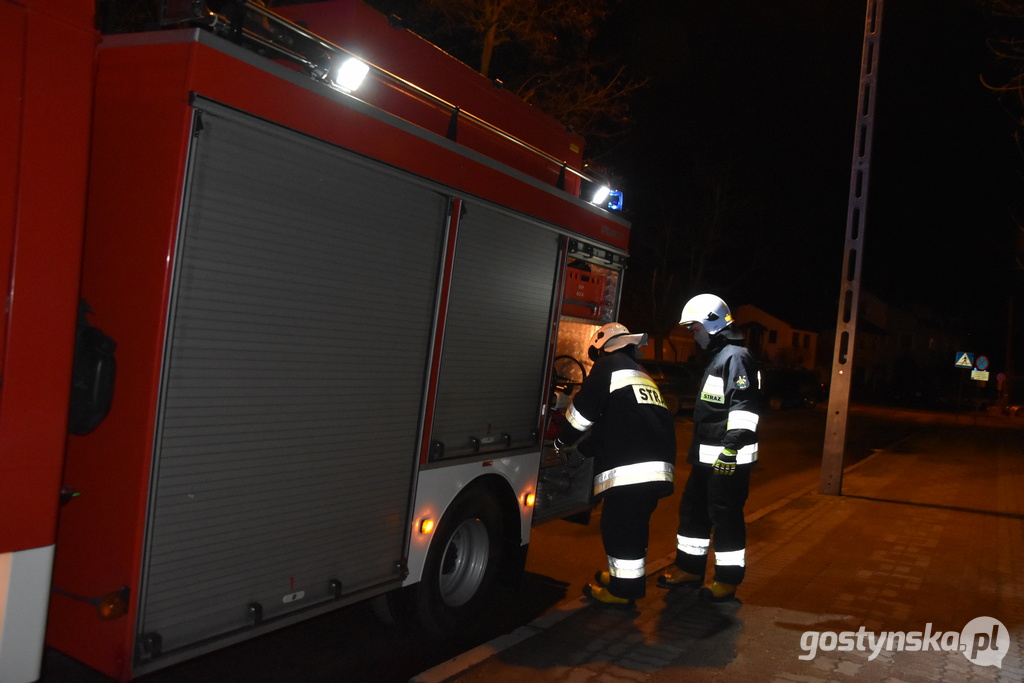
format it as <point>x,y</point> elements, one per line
<point>465,556</point>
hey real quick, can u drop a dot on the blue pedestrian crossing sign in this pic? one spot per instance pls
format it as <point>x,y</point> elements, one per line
<point>964,360</point>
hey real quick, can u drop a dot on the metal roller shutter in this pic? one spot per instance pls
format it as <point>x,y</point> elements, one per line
<point>496,333</point>
<point>301,315</point>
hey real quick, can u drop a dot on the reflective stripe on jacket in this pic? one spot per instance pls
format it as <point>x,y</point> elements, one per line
<point>633,437</point>
<point>728,408</point>
<point>637,473</point>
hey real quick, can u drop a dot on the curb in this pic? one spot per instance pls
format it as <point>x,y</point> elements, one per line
<point>563,610</point>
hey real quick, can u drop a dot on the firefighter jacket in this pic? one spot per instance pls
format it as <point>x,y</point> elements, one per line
<point>728,406</point>
<point>632,433</point>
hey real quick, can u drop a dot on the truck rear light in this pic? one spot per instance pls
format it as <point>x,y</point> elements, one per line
<point>113,605</point>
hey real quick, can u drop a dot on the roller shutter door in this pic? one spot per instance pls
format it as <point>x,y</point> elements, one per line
<point>496,333</point>
<point>301,316</point>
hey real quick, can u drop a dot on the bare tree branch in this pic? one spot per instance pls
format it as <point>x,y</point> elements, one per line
<point>543,51</point>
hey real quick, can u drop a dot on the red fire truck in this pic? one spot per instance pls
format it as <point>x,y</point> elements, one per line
<point>44,142</point>
<point>330,329</point>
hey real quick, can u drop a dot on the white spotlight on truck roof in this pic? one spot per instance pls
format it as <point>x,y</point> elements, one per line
<point>607,198</point>
<point>350,74</point>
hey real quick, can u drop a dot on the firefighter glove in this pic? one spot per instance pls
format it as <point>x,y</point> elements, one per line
<point>726,463</point>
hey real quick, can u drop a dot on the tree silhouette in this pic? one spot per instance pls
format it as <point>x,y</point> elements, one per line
<point>556,56</point>
<point>1006,19</point>
<point>686,240</point>
<point>1006,23</point>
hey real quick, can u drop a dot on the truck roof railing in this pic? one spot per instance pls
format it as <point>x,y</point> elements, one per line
<point>249,23</point>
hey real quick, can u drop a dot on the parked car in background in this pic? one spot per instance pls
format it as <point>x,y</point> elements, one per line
<point>789,388</point>
<point>676,381</point>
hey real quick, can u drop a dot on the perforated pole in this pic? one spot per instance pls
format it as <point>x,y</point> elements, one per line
<point>846,323</point>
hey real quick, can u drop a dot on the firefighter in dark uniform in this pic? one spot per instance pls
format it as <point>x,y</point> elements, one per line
<point>723,451</point>
<point>633,444</point>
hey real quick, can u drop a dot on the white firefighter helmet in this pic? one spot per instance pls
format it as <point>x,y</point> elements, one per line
<point>612,337</point>
<point>707,309</point>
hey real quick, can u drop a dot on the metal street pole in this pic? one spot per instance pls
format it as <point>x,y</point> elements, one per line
<point>846,323</point>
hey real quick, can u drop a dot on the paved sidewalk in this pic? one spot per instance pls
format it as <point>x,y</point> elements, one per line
<point>927,537</point>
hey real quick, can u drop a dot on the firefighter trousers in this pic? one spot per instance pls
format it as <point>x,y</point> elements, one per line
<point>625,531</point>
<point>712,507</point>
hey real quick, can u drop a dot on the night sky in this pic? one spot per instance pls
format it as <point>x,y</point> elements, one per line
<point>755,102</point>
<point>769,91</point>
<point>946,192</point>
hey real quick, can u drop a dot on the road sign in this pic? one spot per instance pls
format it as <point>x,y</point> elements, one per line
<point>979,375</point>
<point>982,363</point>
<point>1001,377</point>
<point>964,360</point>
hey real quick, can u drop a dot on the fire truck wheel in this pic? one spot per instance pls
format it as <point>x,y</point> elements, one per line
<point>465,556</point>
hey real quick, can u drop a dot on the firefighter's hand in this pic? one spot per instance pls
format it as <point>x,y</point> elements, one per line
<point>569,454</point>
<point>726,463</point>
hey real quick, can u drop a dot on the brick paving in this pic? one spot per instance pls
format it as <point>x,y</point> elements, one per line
<point>927,536</point>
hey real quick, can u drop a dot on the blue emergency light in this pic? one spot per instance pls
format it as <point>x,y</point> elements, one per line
<point>614,202</point>
<point>608,198</point>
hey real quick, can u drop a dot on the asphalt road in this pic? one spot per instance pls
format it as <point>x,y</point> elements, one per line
<point>350,645</point>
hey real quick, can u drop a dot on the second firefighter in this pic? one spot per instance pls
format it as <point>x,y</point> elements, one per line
<point>722,454</point>
<point>634,448</point>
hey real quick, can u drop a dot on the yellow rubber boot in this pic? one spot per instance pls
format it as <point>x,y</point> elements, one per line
<point>601,595</point>
<point>719,591</point>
